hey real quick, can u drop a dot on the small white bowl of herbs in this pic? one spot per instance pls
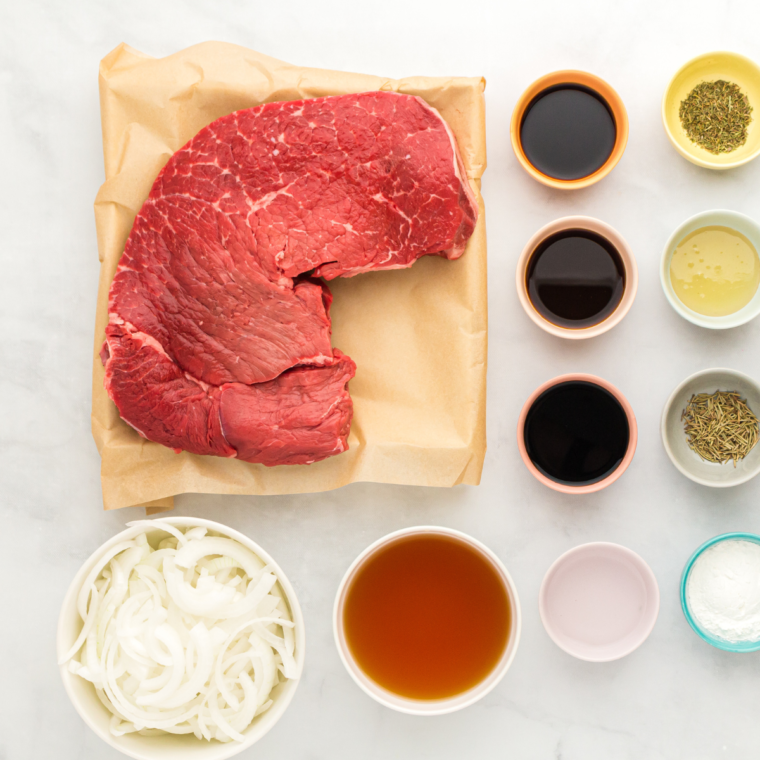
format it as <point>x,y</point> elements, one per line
<point>710,430</point>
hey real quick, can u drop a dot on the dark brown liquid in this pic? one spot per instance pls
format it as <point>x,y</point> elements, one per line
<point>576,433</point>
<point>568,132</point>
<point>575,278</point>
<point>427,616</point>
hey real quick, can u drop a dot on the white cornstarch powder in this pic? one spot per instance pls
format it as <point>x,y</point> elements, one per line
<point>723,590</point>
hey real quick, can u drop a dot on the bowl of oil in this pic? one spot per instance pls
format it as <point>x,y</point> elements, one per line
<point>710,269</point>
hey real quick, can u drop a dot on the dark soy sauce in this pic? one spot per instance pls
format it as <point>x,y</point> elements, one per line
<point>575,278</point>
<point>568,132</point>
<point>576,433</point>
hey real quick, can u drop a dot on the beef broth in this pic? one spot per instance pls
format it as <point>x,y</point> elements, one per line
<point>427,616</point>
<point>576,433</point>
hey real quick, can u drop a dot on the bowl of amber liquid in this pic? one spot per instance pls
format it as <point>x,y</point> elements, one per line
<point>427,620</point>
<point>710,269</point>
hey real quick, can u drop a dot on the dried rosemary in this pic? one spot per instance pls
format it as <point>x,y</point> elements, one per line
<point>720,426</point>
<point>715,115</point>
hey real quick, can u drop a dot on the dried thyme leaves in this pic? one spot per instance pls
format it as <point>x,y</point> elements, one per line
<point>720,426</point>
<point>715,115</point>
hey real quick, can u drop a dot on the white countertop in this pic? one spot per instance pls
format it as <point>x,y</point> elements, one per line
<point>673,698</point>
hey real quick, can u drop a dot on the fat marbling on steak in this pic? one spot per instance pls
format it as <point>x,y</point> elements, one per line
<point>218,339</point>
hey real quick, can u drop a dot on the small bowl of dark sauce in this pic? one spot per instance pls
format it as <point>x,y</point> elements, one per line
<point>569,129</point>
<point>577,277</point>
<point>577,433</point>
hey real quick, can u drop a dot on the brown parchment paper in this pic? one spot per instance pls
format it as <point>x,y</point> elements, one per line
<point>418,336</point>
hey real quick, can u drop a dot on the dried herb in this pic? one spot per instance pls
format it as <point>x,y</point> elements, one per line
<point>720,426</point>
<point>715,115</point>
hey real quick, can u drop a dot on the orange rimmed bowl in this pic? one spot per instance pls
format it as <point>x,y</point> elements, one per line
<point>633,435</point>
<point>583,79</point>
<point>626,255</point>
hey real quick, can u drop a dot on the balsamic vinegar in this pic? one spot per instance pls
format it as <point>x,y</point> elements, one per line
<point>576,433</point>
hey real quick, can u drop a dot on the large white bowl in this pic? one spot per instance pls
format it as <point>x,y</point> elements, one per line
<point>719,218</point>
<point>169,746</point>
<point>428,706</point>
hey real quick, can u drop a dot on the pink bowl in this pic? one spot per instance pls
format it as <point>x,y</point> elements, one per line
<point>599,601</point>
<point>616,473</point>
<point>629,264</point>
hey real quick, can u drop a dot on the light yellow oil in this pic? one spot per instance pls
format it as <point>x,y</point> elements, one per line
<point>715,271</point>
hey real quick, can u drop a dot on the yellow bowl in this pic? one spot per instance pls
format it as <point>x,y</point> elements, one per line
<point>710,67</point>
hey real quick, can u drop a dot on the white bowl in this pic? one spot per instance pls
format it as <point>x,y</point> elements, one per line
<point>599,601</point>
<point>428,706</point>
<point>723,218</point>
<point>170,746</point>
<point>674,437</point>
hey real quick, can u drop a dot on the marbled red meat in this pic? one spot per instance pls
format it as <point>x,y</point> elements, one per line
<point>219,334</point>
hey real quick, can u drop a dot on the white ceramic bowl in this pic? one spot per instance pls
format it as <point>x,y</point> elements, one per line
<point>599,601</point>
<point>169,746</point>
<point>428,706</point>
<point>723,218</point>
<point>674,437</point>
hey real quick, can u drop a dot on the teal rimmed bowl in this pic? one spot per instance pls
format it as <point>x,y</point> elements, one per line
<point>727,646</point>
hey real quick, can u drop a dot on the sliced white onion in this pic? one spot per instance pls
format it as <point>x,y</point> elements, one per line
<point>189,554</point>
<point>89,581</point>
<point>189,634</point>
<point>150,525</point>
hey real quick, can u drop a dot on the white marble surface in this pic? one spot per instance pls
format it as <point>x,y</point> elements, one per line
<point>673,698</point>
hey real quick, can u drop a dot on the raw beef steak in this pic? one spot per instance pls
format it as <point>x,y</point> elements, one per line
<point>218,339</point>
